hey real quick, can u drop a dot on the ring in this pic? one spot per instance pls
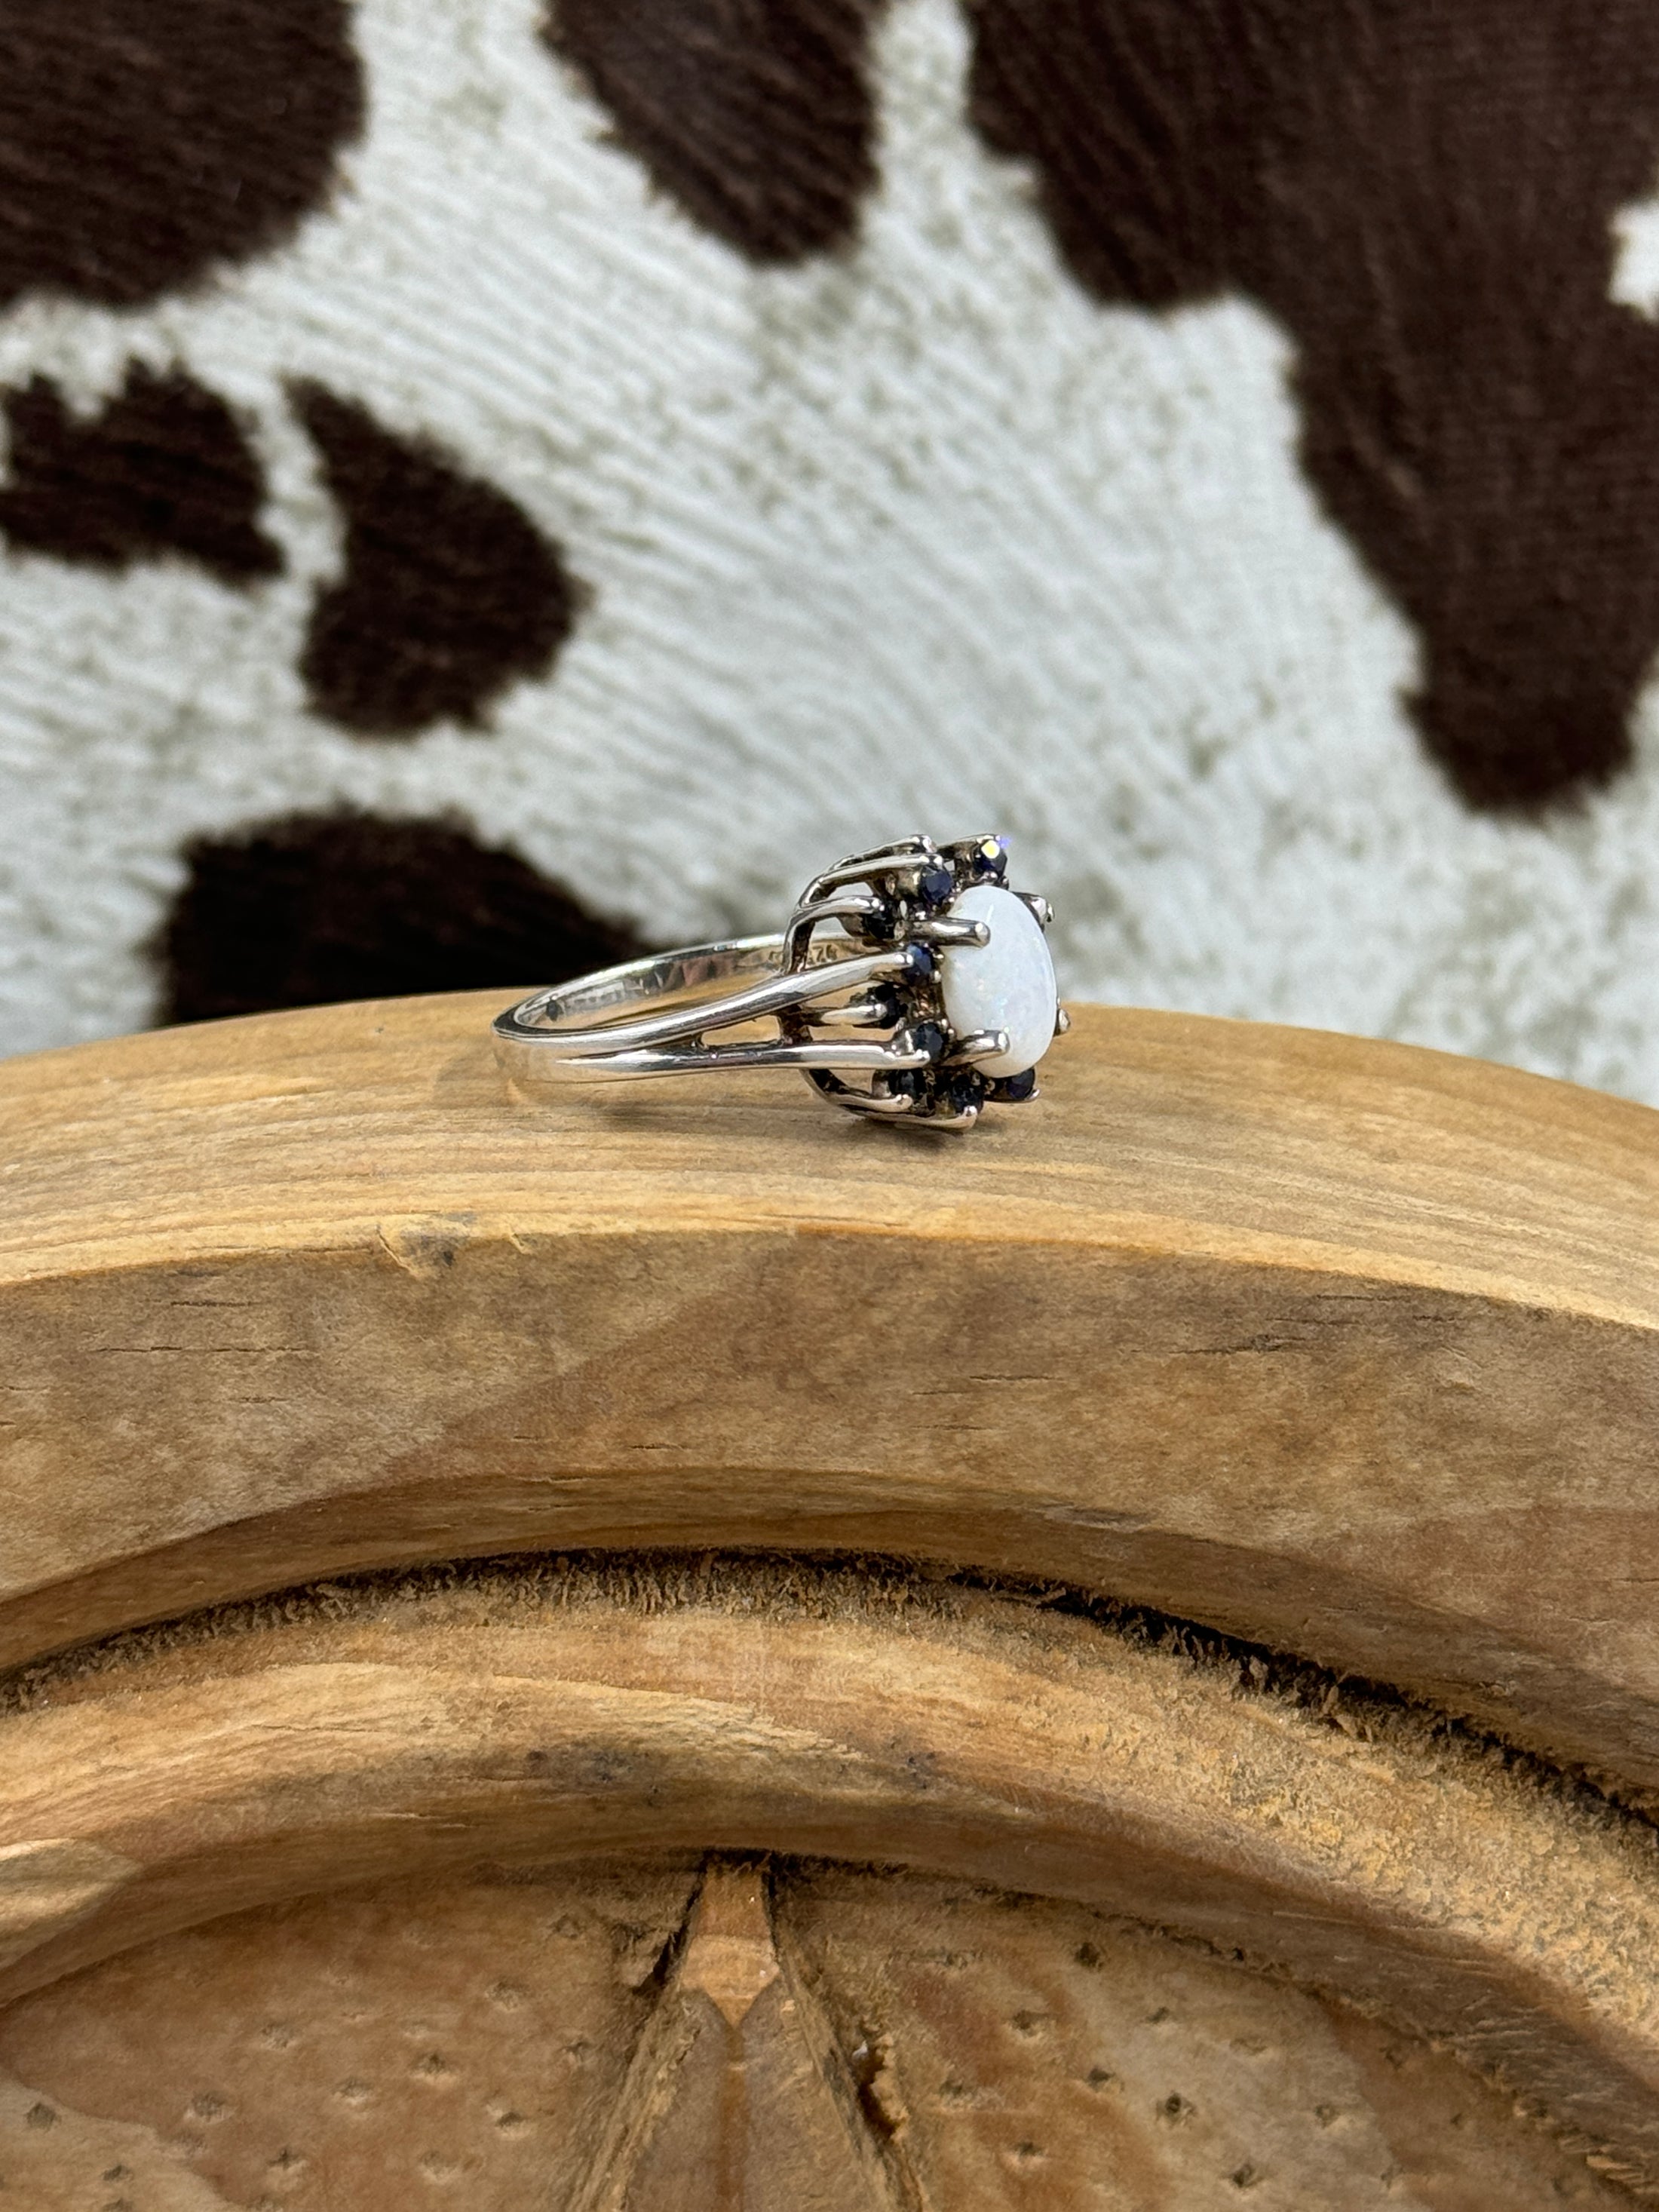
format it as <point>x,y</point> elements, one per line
<point>923,942</point>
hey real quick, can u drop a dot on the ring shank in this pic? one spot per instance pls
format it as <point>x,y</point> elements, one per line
<point>660,979</point>
<point>577,1032</point>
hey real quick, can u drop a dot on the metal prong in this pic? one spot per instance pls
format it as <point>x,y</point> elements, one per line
<point>806,918</point>
<point>977,1045</point>
<point>1062,1022</point>
<point>866,868</point>
<point>1039,906</point>
<point>951,930</point>
<point>903,847</point>
<point>962,1118</point>
<point>888,1108</point>
<point>833,909</point>
<point>904,856</point>
<point>874,1011</point>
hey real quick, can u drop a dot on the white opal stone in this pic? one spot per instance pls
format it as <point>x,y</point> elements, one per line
<point>1008,984</point>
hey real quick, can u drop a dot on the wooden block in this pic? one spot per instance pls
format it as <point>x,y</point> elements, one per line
<point>376,1736</point>
<point>1346,1348</point>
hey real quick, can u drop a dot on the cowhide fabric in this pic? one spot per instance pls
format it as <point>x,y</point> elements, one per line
<point>491,483</point>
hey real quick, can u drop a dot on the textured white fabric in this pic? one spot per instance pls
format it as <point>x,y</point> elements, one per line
<point>916,538</point>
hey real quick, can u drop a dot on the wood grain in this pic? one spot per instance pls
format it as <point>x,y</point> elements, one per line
<point>1037,2056</point>
<point>738,2094</point>
<point>385,1735</point>
<point>454,2042</point>
<point>458,2041</point>
<point>1347,1347</point>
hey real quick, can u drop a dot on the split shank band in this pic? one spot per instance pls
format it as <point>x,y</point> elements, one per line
<point>909,984</point>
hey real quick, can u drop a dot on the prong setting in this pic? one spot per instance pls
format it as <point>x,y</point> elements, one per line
<point>951,932</point>
<point>911,895</point>
<point>872,1010</point>
<point>978,1044</point>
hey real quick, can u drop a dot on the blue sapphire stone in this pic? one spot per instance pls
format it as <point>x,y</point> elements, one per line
<point>1013,1090</point>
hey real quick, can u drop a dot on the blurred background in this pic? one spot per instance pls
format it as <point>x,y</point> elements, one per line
<point>488,485</point>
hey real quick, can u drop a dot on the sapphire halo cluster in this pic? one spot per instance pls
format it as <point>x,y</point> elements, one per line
<point>977,999</point>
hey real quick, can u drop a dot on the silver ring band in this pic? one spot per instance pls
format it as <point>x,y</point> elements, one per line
<point>543,1040</point>
<point>917,932</point>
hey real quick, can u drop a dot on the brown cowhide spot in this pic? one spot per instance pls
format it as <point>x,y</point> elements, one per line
<point>755,115</point>
<point>1424,194</point>
<point>161,468</point>
<point>449,592</point>
<point>314,907</point>
<point>143,141</point>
